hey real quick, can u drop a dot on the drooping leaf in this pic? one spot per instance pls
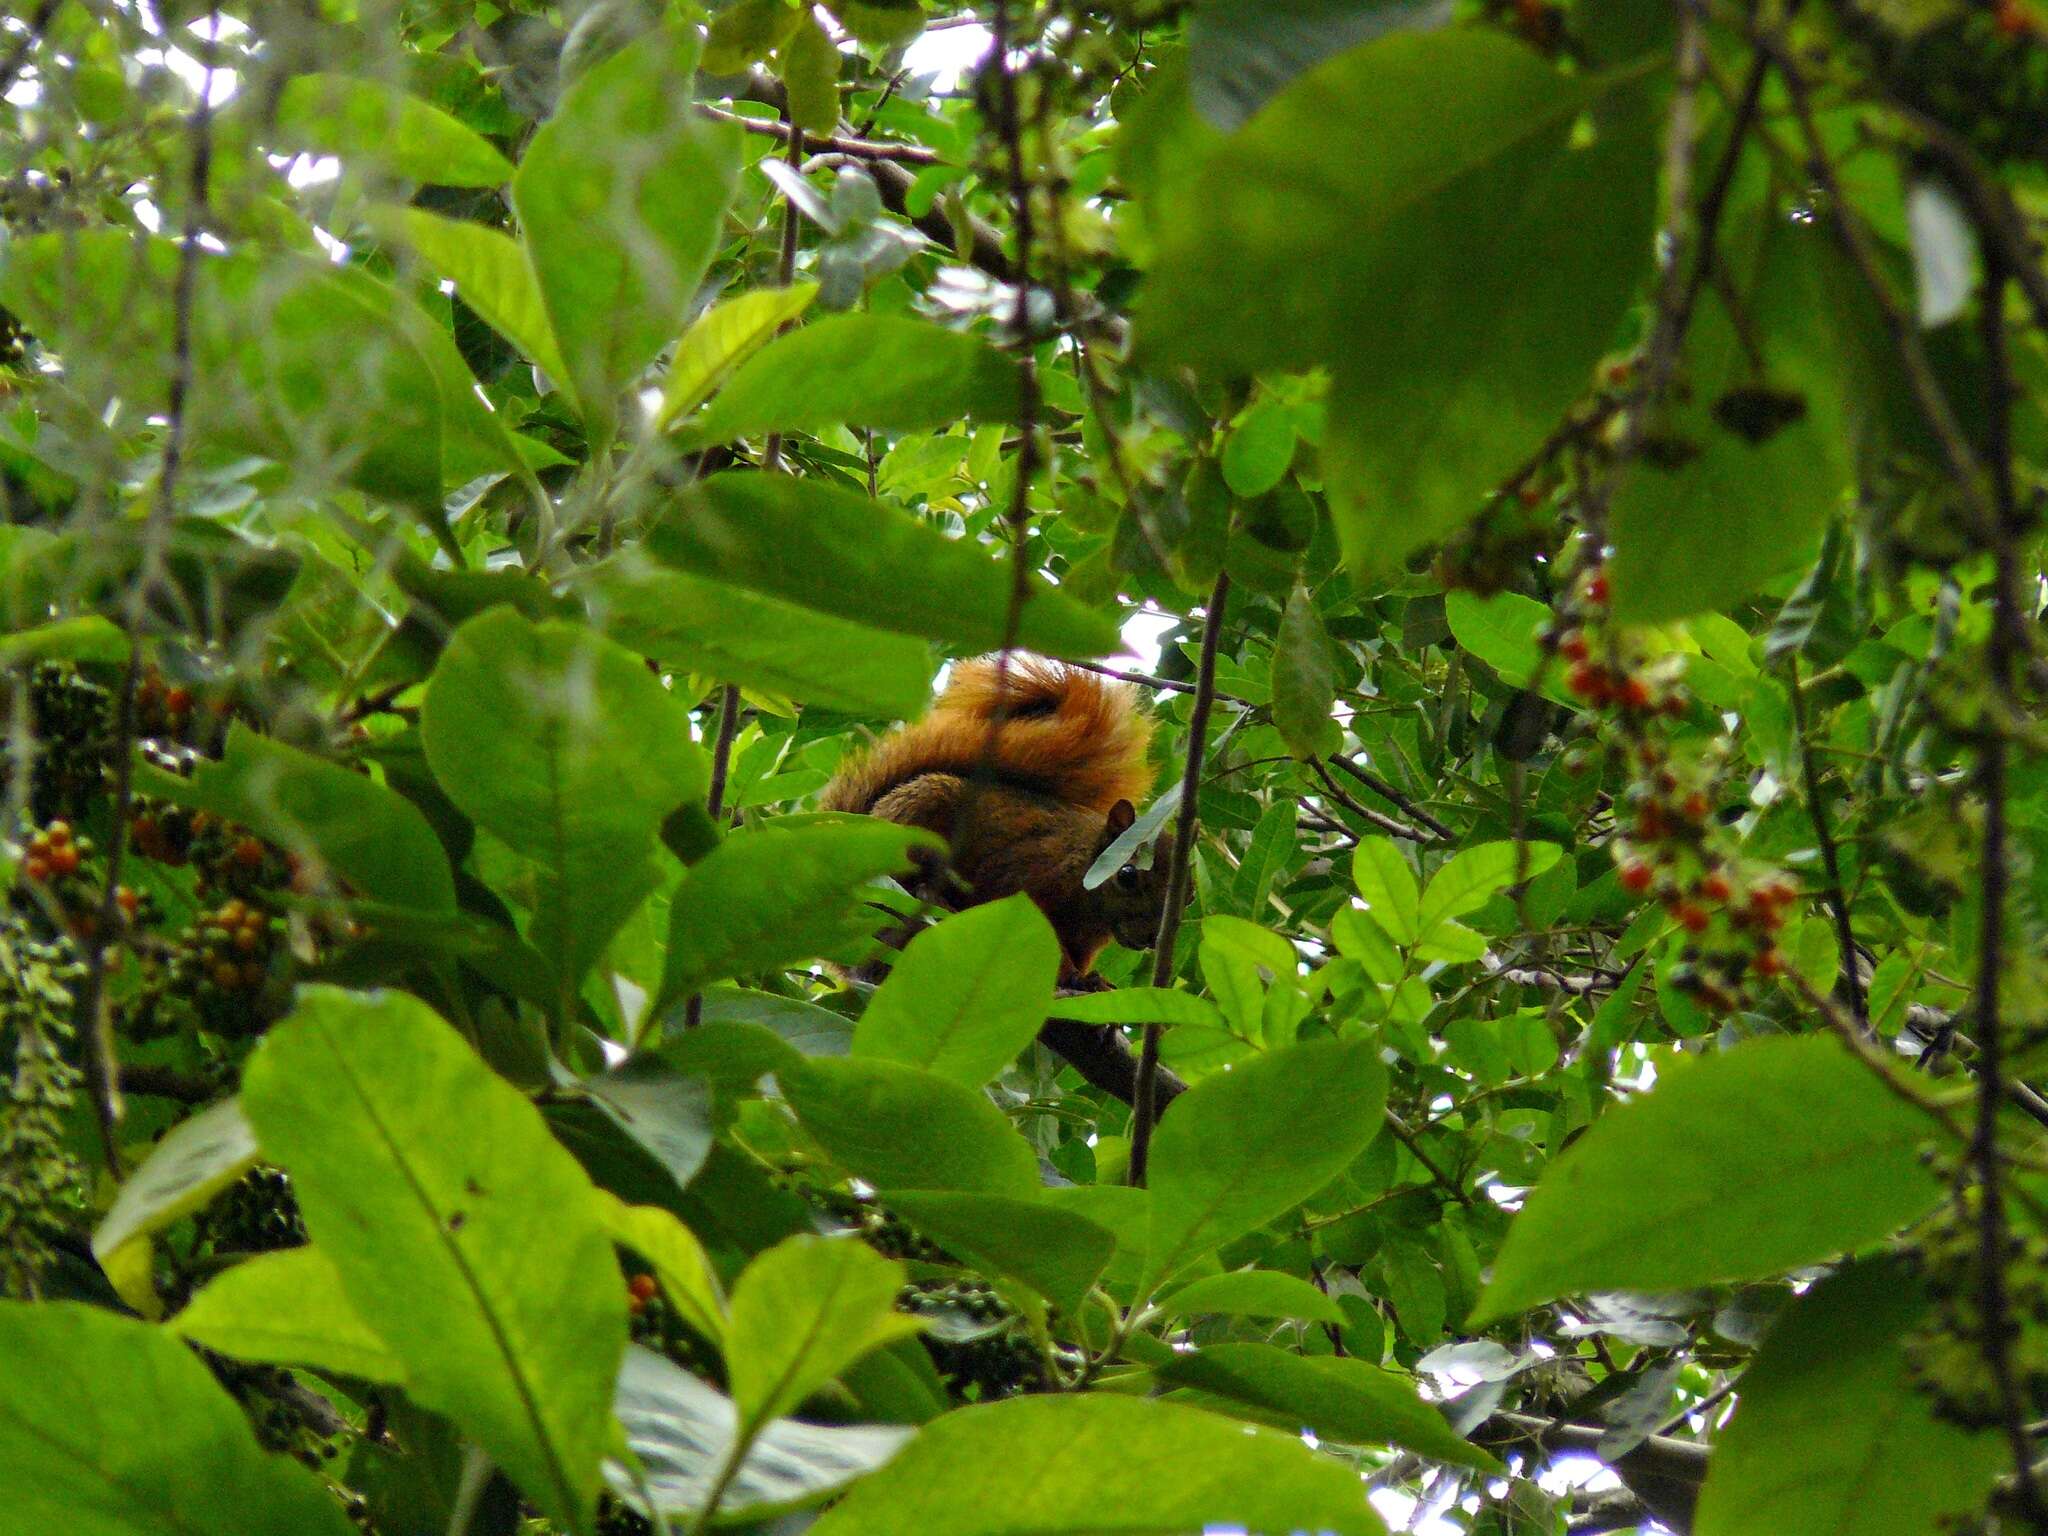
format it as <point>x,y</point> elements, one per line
<point>1304,679</point>
<point>967,994</point>
<point>888,372</point>
<point>1243,1147</point>
<point>810,76</point>
<point>371,836</point>
<point>619,196</point>
<point>1340,1399</point>
<point>900,1127</point>
<point>1775,1153</point>
<point>434,1235</point>
<point>109,1427</point>
<point>683,1433</point>
<point>196,1160</point>
<point>679,1260</point>
<point>776,896</point>
<point>1028,1467</point>
<point>1834,1433</point>
<point>287,1308</point>
<point>1057,1253</point>
<point>801,1313</point>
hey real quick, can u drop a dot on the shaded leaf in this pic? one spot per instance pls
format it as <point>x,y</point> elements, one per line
<point>902,1128</point>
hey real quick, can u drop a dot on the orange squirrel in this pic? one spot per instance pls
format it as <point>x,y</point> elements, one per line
<point>1042,801</point>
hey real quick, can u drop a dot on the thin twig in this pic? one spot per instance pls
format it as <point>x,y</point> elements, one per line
<point>1366,813</point>
<point>1831,865</point>
<point>1993,1304</point>
<point>1391,795</point>
<point>831,144</point>
<point>1145,1108</point>
<point>1408,1139</point>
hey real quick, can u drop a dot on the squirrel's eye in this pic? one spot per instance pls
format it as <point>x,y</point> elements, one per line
<point>1127,877</point>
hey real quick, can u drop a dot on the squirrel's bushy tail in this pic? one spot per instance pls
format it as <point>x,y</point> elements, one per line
<point>1067,733</point>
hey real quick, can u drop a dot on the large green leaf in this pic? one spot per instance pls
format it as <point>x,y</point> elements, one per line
<point>1835,1434</point>
<point>776,896</point>
<point>683,1434</point>
<point>287,1308</point>
<point>801,1313</point>
<point>1254,1293</point>
<point>1304,679</point>
<point>491,275</point>
<point>836,551</point>
<point>1502,631</point>
<point>1475,876</point>
<point>889,372</point>
<point>109,1427</point>
<point>1472,257</point>
<point>563,745</point>
<point>197,1159</point>
<point>432,1184</point>
<point>1738,493</point>
<point>1035,1466</point>
<point>1057,1253</point>
<point>1776,1153</point>
<point>1242,51</point>
<point>1340,1399</point>
<point>376,121</point>
<point>1245,1146</point>
<point>620,196</point>
<point>371,836</point>
<point>710,629</point>
<point>967,994</point>
<point>721,339</point>
<point>900,1127</point>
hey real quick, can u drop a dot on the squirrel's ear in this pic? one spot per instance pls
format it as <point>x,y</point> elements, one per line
<point>1121,815</point>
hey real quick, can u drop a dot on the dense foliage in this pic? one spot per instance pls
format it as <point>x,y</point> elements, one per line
<point>470,472</point>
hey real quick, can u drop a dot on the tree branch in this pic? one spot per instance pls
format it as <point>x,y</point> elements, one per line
<point>1831,864</point>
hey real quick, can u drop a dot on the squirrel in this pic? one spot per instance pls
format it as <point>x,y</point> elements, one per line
<point>1042,800</point>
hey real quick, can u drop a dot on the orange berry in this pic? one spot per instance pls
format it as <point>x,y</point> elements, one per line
<point>58,832</point>
<point>1530,494</point>
<point>1636,876</point>
<point>37,869</point>
<point>1691,916</point>
<point>2011,19</point>
<point>1618,372</point>
<point>1697,806</point>
<point>126,899</point>
<point>64,859</point>
<point>1714,886</point>
<point>248,853</point>
<point>246,939</point>
<point>641,1287</point>
<point>1770,962</point>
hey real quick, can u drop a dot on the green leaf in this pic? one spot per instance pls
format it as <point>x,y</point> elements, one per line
<point>665,1111</point>
<point>1243,1147</point>
<point>712,630</point>
<point>968,993</point>
<point>90,638</point>
<point>1340,1399</point>
<point>1242,51</point>
<point>838,552</point>
<point>1835,1433</point>
<point>620,195</point>
<point>1139,1005</point>
<point>679,1260</point>
<point>563,745</point>
<point>683,1434</point>
<point>801,1313</point>
<point>1057,1253</point>
<point>1476,876</point>
<point>1380,171</point>
<point>491,274</point>
<point>371,836</point>
<point>1260,448</point>
<point>196,1160</point>
<point>1501,631</point>
<point>1776,1153</point>
<point>776,896</point>
<point>900,1127</point>
<point>109,1427</point>
<point>1031,1466</point>
<point>721,339</point>
<point>889,372</point>
<point>810,77</point>
<point>1387,883</point>
<point>287,1308</point>
<point>431,1183</point>
<point>1253,1293</point>
<point>1746,493</point>
<point>744,33</point>
<point>373,120</point>
<point>1305,679</point>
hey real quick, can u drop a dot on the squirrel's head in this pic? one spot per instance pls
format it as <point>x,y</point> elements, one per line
<point>1132,897</point>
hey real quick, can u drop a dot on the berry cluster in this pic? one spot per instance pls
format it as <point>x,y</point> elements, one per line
<point>257,1214</point>
<point>71,722</point>
<point>978,1345</point>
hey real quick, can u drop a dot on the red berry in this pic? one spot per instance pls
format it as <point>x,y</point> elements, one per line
<point>1650,826</point>
<point>1596,588</point>
<point>1692,917</point>
<point>1619,372</point>
<point>1636,877</point>
<point>58,832</point>
<point>127,900</point>
<point>64,859</point>
<point>1572,646</point>
<point>1770,962</point>
<point>1588,682</point>
<point>2011,19</point>
<point>1696,806</point>
<point>1529,494</point>
<point>178,701</point>
<point>37,869</point>
<point>248,853</point>
<point>1635,693</point>
<point>641,1287</point>
<point>1714,886</point>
